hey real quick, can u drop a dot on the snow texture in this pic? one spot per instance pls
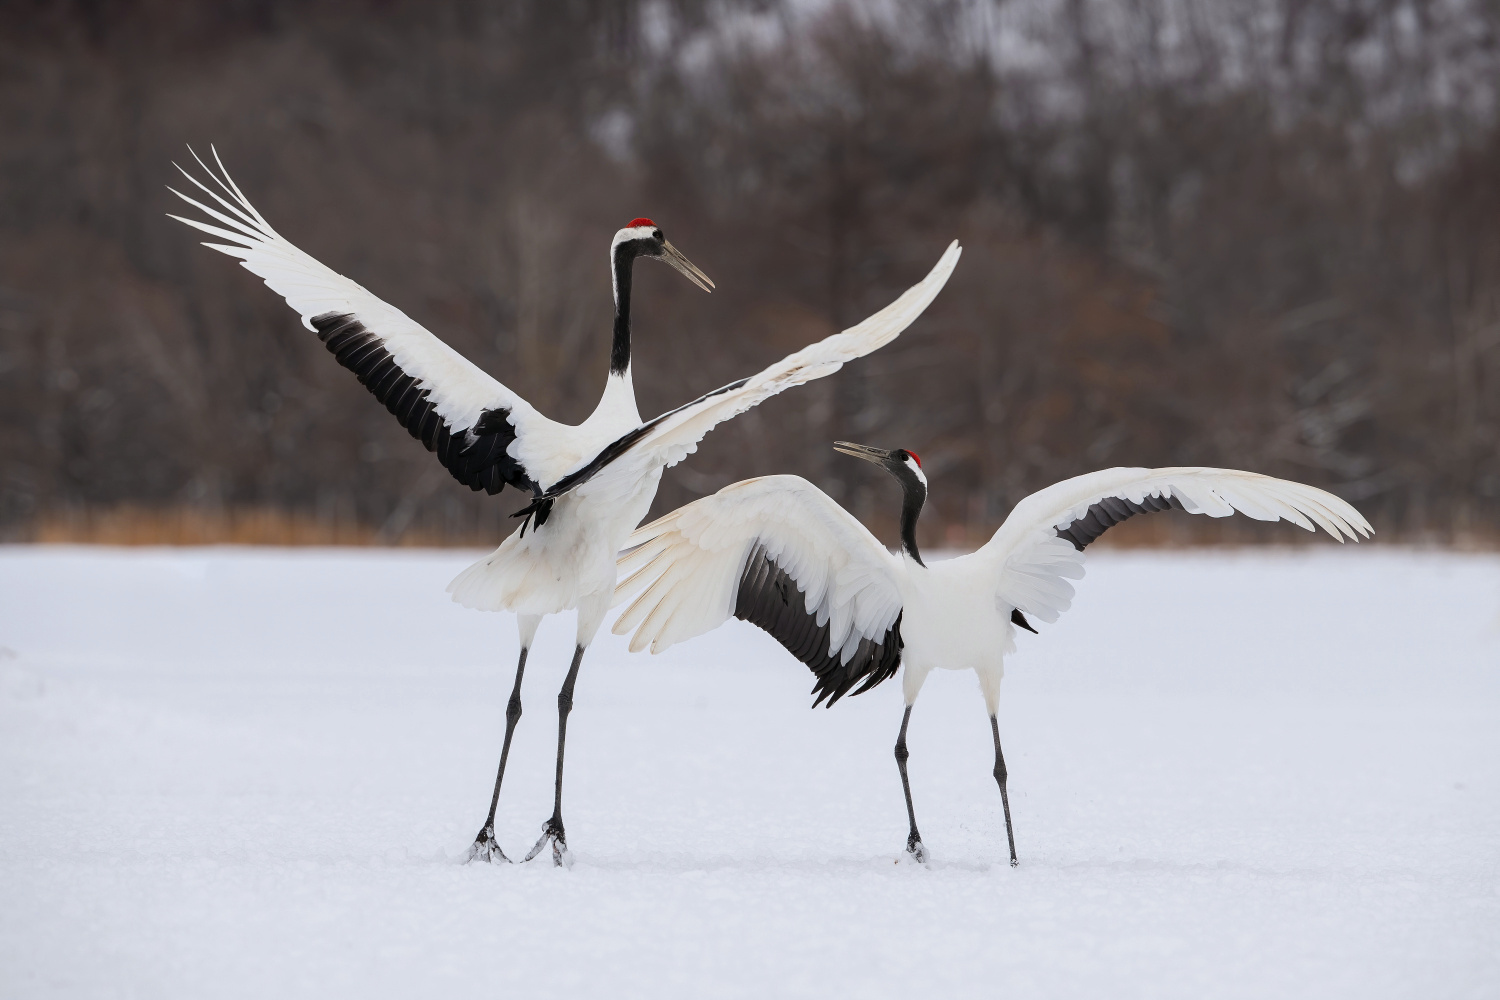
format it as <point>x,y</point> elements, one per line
<point>253,773</point>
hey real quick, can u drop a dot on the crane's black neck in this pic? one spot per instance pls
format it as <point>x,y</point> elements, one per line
<point>914,495</point>
<point>622,261</point>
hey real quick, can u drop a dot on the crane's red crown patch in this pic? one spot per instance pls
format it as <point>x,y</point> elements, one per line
<point>640,222</point>
<point>914,457</point>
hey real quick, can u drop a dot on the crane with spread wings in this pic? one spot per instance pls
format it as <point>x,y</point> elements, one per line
<point>780,553</point>
<point>590,483</point>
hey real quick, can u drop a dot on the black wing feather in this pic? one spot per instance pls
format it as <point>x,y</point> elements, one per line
<point>476,456</point>
<point>771,599</point>
<point>1109,512</point>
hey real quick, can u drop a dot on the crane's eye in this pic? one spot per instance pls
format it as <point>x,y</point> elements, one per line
<point>658,235</point>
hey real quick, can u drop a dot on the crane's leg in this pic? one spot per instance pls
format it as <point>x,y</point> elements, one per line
<point>485,847</point>
<point>1000,776</point>
<point>553,831</point>
<point>914,839</point>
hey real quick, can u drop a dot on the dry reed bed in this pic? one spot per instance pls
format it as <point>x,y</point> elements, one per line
<point>130,524</point>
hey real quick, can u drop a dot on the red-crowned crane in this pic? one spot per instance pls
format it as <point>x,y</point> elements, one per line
<point>487,436</point>
<point>781,554</point>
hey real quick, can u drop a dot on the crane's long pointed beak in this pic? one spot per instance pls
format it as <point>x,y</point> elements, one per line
<point>673,256</point>
<point>877,455</point>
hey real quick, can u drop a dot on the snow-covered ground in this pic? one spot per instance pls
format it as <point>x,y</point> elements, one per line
<point>252,773</point>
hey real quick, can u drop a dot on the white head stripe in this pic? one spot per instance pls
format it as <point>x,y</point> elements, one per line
<point>633,233</point>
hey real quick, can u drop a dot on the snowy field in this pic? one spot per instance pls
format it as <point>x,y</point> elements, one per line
<point>254,773</point>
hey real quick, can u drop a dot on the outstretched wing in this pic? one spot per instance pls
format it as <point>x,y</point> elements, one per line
<point>666,440</point>
<point>779,553</point>
<point>481,431</point>
<point>1040,546</point>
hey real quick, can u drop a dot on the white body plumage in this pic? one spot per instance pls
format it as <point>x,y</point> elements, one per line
<point>570,563</point>
<point>950,620</point>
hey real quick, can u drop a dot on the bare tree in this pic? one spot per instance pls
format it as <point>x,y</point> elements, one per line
<point>1256,235</point>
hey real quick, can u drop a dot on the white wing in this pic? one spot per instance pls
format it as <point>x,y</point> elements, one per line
<point>1040,545</point>
<point>482,431</point>
<point>671,437</point>
<point>777,552</point>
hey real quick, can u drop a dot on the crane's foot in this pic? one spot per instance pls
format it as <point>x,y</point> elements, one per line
<point>554,834</point>
<point>485,848</point>
<point>918,852</point>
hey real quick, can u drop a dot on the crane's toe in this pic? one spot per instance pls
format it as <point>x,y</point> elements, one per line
<point>917,850</point>
<point>554,834</point>
<point>486,849</point>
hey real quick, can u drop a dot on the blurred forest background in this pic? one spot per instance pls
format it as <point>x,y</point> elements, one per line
<point>1262,234</point>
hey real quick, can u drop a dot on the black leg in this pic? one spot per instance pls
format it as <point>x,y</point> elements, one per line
<point>1000,775</point>
<point>553,831</point>
<point>914,839</point>
<point>485,848</point>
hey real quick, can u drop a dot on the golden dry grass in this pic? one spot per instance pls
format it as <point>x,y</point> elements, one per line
<point>131,524</point>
